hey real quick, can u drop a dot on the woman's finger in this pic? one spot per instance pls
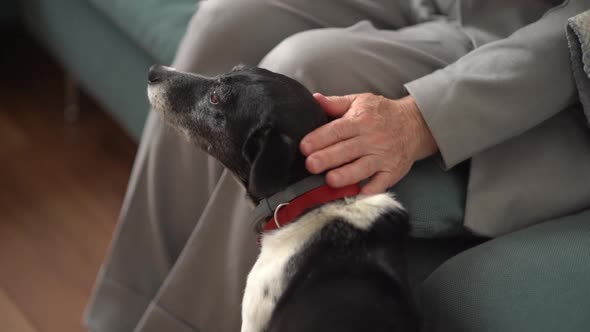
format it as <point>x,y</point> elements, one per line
<point>328,134</point>
<point>378,183</point>
<point>335,106</point>
<point>354,172</point>
<point>382,181</point>
<point>336,155</point>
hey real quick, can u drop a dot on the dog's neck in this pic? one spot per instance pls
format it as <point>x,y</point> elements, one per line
<point>288,204</point>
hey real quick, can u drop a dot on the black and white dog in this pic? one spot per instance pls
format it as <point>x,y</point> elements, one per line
<point>330,260</point>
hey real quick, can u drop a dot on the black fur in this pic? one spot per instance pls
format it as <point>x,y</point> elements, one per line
<point>254,129</point>
<point>350,280</point>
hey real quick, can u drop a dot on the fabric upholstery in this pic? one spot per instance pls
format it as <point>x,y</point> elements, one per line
<point>155,25</point>
<point>8,11</point>
<point>107,63</point>
<point>434,198</point>
<point>536,279</point>
<point>578,39</point>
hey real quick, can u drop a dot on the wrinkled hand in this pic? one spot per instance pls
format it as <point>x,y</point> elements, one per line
<point>372,137</point>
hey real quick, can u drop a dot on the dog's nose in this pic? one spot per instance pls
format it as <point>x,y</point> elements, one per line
<point>158,73</point>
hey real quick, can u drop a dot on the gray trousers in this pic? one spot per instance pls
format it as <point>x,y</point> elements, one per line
<point>183,246</point>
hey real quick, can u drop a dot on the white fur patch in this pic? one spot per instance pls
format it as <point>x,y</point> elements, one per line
<point>157,98</point>
<point>267,275</point>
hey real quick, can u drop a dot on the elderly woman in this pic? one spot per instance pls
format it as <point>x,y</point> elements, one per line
<point>485,80</point>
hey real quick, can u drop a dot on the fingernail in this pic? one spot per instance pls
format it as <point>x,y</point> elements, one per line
<point>313,164</point>
<point>334,179</point>
<point>305,148</point>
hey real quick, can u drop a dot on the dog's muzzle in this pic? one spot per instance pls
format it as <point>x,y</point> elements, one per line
<point>158,74</point>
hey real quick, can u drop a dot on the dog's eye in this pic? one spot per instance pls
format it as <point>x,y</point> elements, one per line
<point>214,99</point>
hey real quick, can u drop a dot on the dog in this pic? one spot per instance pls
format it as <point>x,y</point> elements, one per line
<point>338,265</point>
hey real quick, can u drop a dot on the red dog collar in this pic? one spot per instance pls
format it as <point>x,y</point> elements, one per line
<point>287,212</point>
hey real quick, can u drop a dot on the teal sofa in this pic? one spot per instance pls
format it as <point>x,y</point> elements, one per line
<point>8,12</point>
<point>108,45</point>
<point>536,279</point>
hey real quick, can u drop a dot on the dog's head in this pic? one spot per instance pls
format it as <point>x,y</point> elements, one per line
<point>250,119</point>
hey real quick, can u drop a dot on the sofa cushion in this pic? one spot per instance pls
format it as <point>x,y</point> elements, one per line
<point>535,279</point>
<point>8,11</point>
<point>435,199</point>
<point>157,26</point>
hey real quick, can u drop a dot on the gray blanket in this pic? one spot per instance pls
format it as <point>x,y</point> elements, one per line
<point>578,37</point>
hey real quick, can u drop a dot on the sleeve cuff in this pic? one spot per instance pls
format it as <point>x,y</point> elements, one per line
<point>430,92</point>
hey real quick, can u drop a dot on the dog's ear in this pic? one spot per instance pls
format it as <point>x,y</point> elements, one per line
<point>271,155</point>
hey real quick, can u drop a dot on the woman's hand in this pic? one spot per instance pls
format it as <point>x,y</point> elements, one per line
<point>373,137</point>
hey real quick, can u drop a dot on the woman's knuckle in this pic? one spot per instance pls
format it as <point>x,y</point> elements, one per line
<point>365,118</point>
<point>370,163</point>
<point>351,147</point>
<point>339,129</point>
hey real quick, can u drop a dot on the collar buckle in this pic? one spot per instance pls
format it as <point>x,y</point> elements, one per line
<point>276,214</point>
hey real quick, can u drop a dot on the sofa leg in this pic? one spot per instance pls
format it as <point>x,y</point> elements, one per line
<point>71,98</point>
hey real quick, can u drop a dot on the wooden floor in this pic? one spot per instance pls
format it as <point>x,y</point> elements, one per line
<point>61,187</point>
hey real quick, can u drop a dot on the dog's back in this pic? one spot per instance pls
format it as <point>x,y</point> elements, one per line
<point>340,267</point>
